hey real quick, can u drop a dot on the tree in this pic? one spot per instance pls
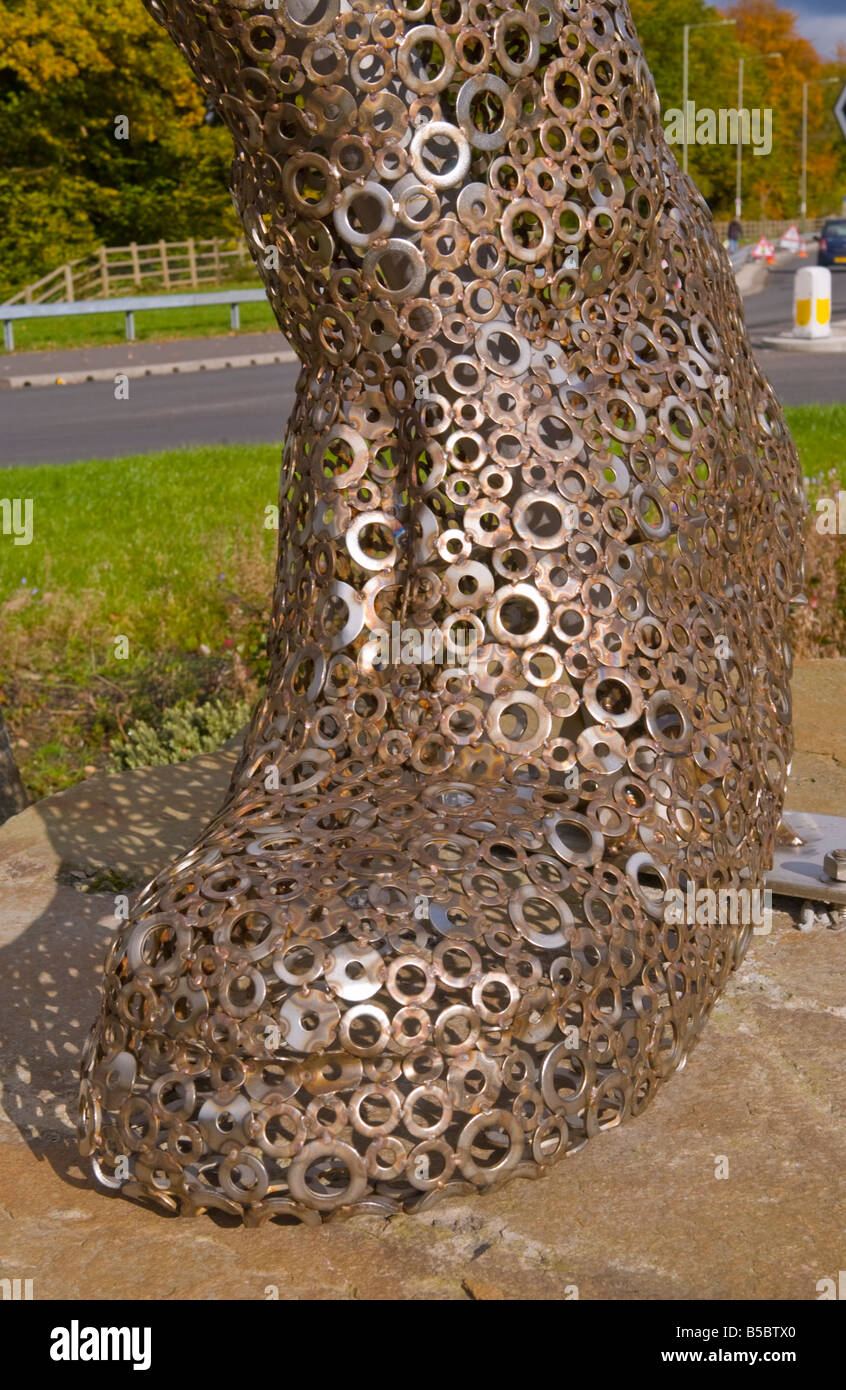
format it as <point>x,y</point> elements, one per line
<point>771,182</point>
<point>764,27</point>
<point>67,184</point>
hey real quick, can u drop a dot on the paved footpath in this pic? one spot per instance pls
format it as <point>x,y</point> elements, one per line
<point>66,365</point>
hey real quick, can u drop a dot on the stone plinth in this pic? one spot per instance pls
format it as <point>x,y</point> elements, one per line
<point>639,1214</point>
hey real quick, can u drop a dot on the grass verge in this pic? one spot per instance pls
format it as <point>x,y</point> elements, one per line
<point>168,551</point>
<point>820,435</point>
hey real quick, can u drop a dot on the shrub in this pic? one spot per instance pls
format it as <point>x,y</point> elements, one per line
<point>184,731</point>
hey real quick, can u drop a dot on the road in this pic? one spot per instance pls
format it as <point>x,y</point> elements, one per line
<point>57,424</point>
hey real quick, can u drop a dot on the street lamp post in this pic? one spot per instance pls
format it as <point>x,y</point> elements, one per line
<point>738,201</point>
<point>712,24</point>
<point>814,82</point>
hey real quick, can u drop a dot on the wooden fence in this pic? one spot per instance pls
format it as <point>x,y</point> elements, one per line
<point>771,228</point>
<point>187,265</point>
<point>120,270</point>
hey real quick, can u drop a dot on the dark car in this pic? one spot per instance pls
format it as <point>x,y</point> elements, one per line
<point>833,244</point>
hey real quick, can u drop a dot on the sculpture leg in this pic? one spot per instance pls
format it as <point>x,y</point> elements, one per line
<point>441,933</point>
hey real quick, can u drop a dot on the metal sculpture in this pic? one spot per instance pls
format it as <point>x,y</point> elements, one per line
<point>423,948</point>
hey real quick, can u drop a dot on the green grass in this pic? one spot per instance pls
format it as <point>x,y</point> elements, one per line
<point>820,435</point>
<point>168,550</point>
<point>98,330</point>
<point>144,539</point>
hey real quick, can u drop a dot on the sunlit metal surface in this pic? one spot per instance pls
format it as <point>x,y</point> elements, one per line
<point>423,949</point>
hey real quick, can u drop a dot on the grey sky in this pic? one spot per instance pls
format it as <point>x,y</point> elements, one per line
<point>821,21</point>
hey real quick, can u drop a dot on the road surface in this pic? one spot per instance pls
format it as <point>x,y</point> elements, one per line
<point>58,424</point>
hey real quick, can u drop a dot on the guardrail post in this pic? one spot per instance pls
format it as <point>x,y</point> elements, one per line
<point>129,316</point>
<point>8,335</point>
<point>234,317</point>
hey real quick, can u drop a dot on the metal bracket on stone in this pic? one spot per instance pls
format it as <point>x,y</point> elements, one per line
<point>811,864</point>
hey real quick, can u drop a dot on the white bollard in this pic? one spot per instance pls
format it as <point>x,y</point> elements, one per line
<point>812,302</point>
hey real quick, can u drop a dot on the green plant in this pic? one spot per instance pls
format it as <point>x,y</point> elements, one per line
<point>184,731</point>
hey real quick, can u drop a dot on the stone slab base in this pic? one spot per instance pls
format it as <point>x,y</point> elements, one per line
<point>639,1214</point>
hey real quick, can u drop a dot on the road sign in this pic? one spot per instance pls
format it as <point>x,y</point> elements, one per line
<point>791,241</point>
<point>840,111</point>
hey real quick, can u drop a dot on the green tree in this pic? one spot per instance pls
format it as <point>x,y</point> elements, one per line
<point>770,183</point>
<point>67,184</point>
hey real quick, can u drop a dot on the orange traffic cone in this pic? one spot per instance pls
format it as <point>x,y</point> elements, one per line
<point>802,253</point>
<point>771,260</point>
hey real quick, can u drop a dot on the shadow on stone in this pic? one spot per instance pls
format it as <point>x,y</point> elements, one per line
<point>64,864</point>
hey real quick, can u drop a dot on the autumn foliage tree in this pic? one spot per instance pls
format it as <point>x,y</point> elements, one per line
<point>770,182</point>
<point>67,184</point>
